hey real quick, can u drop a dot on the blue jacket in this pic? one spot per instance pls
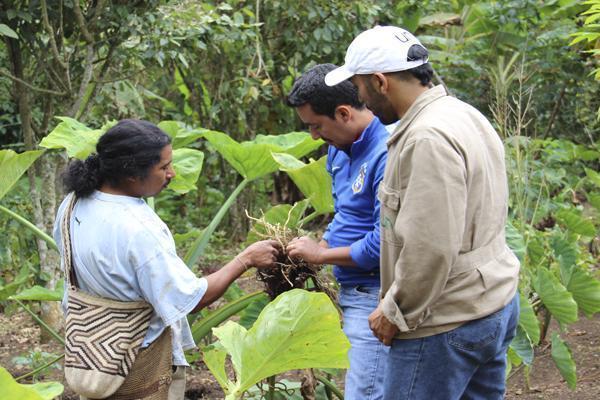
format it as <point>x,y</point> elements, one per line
<point>356,175</point>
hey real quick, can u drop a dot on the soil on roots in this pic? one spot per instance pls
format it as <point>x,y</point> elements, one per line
<point>288,273</point>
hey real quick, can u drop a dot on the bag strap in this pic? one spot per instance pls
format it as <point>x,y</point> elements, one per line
<point>66,242</point>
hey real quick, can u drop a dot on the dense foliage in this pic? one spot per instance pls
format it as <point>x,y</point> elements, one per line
<point>215,75</point>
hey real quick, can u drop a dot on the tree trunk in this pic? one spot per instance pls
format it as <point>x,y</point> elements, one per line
<point>49,261</point>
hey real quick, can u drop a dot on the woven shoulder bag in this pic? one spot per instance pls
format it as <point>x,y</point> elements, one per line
<point>103,336</point>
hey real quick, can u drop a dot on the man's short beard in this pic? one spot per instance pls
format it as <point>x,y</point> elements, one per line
<point>381,106</point>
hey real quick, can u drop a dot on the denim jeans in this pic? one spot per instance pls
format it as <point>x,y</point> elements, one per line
<point>468,362</point>
<point>364,378</point>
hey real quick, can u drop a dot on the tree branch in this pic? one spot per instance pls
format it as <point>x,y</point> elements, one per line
<point>81,21</point>
<point>85,79</point>
<point>48,27</point>
<point>91,91</point>
<point>14,78</point>
<point>555,110</point>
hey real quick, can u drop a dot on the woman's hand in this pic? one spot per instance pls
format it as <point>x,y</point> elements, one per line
<point>261,254</point>
<point>306,249</point>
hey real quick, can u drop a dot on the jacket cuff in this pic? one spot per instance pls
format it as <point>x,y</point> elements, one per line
<point>392,312</point>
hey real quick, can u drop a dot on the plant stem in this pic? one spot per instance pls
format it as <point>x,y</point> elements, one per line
<point>34,229</point>
<point>271,393</point>
<point>39,369</point>
<point>545,325</point>
<point>330,385</point>
<point>308,218</point>
<point>37,319</point>
<point>200,244</point>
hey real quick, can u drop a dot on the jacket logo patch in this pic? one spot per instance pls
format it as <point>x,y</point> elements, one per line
<point>358,184</point>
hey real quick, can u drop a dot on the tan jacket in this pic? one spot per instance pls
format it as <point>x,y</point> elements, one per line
<point>444,259</point>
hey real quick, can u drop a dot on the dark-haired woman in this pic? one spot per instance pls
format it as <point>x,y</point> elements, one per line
<point>122,250</point>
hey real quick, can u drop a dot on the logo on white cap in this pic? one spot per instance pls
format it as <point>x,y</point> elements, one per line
<point>380,49</point>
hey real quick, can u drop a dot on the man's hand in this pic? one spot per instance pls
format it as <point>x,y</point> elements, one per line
<point>306,249</point>
<point>382,328</point>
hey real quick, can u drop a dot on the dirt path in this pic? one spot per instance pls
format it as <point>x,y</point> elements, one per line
<point>19,336</point>
<point>545,382</point>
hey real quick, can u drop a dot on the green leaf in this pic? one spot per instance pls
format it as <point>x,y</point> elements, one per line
<point>251,313</point>
<point>5,30</point>
<point>282,214</point>
<point>11,389</point>
<point>438,19</point>
<point>13,165</point>
<point>586,291</point>
<point>39,293</point>
<point>253,159</point>
<point>576,223</point>
<point>561,354</point>
<point>31,227</point>
<point>203,326</point>
<point>593,176</point>
<point>10,289</point>
<point>233,293</point>
<point>594,199</point>
<point>513,359</point>
<point>536,250</point>
<point>312,179</point>
<point>77,139</point>
<point>298,330</point>
<point>566,252</point>
<point>47,390</point>
<point>528,320</point>
<point>521,345</point>
<point>187,164</point>
<point>180,134</point>
<point>555,296</point>
<point>515,241</point>
<point>214,357</point>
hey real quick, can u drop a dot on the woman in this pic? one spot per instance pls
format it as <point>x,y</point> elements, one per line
<point>120,248</point>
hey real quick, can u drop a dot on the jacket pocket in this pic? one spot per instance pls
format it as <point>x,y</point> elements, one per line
<point>389,200</point>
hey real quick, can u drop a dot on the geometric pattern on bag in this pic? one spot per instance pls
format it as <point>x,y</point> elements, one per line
<point>104,338</point>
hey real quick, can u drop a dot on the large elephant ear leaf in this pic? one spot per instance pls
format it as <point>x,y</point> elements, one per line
<point>188,165</point>
<point>556,298</point>
<point>307,334</point>
<point>563,358</point>
<point>312,179</point>
<point>181,135</point>
<point>286,215</point>
<point>586,291</point>
<point>11,389</point>
<point>13,165</point>
<point>252,159</point>
<point>77,139</point>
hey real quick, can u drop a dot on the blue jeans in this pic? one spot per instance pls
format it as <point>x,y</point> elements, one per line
<point>364,378</point>
<point>468,362</point>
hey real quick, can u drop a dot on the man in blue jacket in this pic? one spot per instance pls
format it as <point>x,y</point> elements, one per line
<point>355,160</point>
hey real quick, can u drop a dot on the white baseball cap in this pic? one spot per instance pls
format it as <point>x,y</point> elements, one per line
<point>380,49</point>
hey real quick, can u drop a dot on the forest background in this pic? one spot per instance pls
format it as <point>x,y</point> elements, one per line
<point>531,66</point>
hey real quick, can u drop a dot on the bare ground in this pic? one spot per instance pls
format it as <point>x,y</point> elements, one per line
<point>19,335</point>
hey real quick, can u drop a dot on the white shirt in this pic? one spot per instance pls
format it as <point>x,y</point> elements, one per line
<point>122,250</point>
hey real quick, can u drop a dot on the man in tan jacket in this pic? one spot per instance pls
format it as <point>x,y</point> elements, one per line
<point>449,307</point>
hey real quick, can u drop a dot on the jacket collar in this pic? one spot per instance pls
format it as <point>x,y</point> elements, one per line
<point>424,99</point>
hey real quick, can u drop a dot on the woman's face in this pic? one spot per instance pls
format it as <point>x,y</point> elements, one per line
<point>158,177</point>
